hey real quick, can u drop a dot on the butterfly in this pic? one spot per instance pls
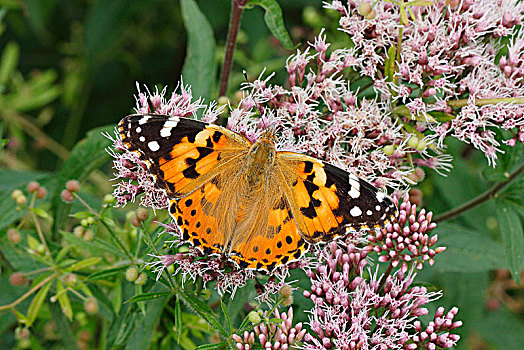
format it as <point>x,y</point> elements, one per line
<point>259,207</point>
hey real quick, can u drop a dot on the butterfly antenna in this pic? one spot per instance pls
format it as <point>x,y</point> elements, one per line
<point>256,105</point>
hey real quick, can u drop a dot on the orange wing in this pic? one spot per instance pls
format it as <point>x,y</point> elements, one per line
<point>327,201</point>
<point>181,153</point>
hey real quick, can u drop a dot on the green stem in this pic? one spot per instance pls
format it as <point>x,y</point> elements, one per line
<point>150,243</point>
<point>112,234</point>
<point>486,101</point>
<point>489,194</point>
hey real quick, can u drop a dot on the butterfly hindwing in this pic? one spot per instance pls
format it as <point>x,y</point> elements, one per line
<point>181,153</point>
<point>330,201</point>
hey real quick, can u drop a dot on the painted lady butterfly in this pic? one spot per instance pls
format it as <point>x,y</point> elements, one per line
<point>258,206</point>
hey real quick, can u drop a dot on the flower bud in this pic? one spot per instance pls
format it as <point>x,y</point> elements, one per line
<point>21,200</point>
<point>364,9</point>
<point>388,150</point>
<point>16,193</point>
<point>108,199</point>
<point>78,231</point>
<point>254,317</point>
<point>67,196</point>
<point>132,274</point>
<point>32,187</point>
<point>72,186</point>
<point>41,193</point>
<point>17,279</point>
<point>141,279</point>
<point>286,291</point>
<point>91,306</point>
<point>13,235</point>
<point>88,235</point>
<point>142,214</point>
<point>413,141</point>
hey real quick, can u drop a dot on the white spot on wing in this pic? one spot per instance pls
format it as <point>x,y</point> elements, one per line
<point>168,125</point>
<point>354,193</point>
<point>144,119</point>
<point>153,146</point>
<point>369,212</point>
<point>377,208</point>
<point>142,138</point>
<point>355,211</point>
<point>138,130</point>
<point>354,182</point>
<point>380,196</point>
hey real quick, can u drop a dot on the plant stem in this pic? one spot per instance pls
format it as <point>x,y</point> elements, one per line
<point>489,194</point>
<point>26,295</point>
<point>485,101</point>
<point>237,7</point>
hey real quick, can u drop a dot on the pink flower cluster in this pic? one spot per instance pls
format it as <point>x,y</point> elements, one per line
<point>446,52</point>
<point>380,312</point>
<point>282,336</point>
<point>407,240</point>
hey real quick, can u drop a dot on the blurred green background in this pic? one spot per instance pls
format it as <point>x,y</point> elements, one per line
<point>70,66</point>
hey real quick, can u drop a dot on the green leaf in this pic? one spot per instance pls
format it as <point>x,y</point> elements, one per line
<point>227,316</point>
<point>84,263</point>
<point>199,69</point>
<point>467,250</point>
<point>389,64</point>
<point>503,329</point>
<point>86,156</point>
<point>203,311</point>
<point>63,300</point>
<point>36,303</point>
<point>274,21</point>
<point>148,296</point>
<point>104,274</point>
<point>82,215</point>
<point>512,237</point>
<point>146,326</point>
<point>178,320</point>
<point>9,62</point>
<point>96,246</point>
<point>276,320</point>
<point>42,213</point>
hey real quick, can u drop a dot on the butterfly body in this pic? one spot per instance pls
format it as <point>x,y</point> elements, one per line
<point>258,206</point>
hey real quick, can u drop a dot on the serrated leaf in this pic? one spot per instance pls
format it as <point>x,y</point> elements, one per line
<point>63,300</point>
<point>199,69</point>
<point>512,237</point>
<point>203,311</point>
<point>148,296</point>
<point>467,250</point>
<point>84,263</point>
<point>104,274</point>
<point>36,303</point>
<point>227,316</point>
<point>274,21</point>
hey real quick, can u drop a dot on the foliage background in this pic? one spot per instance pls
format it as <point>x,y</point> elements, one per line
<point>68,67</point>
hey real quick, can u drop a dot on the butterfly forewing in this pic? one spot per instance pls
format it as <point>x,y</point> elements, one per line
<point>329,201</point>
<point>182,153</point>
